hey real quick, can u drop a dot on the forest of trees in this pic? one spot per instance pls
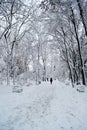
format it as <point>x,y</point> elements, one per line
<point>43,39</point>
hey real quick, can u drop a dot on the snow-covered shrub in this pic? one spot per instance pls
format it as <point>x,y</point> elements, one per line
<point>81,88</point>
<point>17,89</point>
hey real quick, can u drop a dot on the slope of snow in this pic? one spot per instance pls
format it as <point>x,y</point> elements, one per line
<point>44,107</point>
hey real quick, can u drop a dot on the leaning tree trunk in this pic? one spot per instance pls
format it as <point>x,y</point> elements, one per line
<point>79,49</point>
<point>67,59</point>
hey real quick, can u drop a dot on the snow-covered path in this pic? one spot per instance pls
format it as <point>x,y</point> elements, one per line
<point>43,107</point>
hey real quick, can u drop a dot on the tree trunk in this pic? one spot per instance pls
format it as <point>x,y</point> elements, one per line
<point>79,49</point>
<point>67,59</point>
<point>82,16</point>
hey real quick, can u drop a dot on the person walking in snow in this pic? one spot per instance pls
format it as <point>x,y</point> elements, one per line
<point>51,80</point>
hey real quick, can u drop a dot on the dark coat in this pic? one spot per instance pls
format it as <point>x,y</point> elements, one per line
<point>51,80</point>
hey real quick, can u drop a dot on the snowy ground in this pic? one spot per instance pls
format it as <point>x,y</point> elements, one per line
<point>43,107</point>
